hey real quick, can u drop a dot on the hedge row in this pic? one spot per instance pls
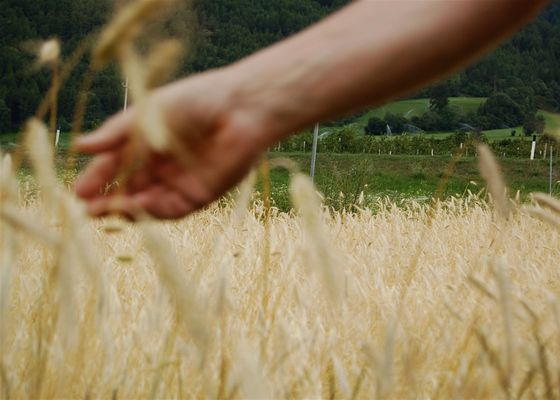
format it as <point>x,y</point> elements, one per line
<point>347,141</point>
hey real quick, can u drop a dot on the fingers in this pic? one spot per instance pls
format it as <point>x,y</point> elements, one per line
<point>139,181</point>
<point>100,172</point>
<point>163,203</point>
<point>116,204</point>
<point>157,201</point>
<point>110,135</point>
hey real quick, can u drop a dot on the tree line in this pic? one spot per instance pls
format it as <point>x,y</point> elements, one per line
<point>222,31</point>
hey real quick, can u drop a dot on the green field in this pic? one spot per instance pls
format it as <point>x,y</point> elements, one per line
<point>552,120</point>
<point>406,177</point>
<point>10,140</point>
<point>417,107</point>
<point>397,177</point>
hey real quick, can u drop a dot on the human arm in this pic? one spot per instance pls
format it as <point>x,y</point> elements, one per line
<point>371,52</point>
<point>368,53</point>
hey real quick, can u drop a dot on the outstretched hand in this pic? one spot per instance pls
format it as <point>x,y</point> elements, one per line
<point>220,142</point>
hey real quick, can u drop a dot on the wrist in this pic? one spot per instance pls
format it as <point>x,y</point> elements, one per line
<point>265,101</point>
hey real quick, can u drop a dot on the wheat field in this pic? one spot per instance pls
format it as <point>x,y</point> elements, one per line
<point>242,301</point>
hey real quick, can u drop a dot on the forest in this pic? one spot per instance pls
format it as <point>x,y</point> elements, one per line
<point>522,75</point>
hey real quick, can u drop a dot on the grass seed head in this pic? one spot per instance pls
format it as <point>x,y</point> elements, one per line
<point>125,27</point>
<point>13,217</point>
<point>49,52</point>
<point>307,202</point>
<point>150,123</point>
<point>490,171</point>
<point>544,215</point>
<point>546,201</point>
<point>152,126</point>
<point>41,153</point>
<point>162,62</point>
<point>8,183</point>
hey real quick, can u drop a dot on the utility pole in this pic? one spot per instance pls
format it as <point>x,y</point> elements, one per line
<point>125,86</point>
<point>314,151</point>
<point>550,174</point>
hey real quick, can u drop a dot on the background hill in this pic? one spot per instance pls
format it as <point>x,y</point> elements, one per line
<point>525,69</point>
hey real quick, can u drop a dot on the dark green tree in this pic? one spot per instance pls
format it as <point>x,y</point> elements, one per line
<point>439,97</point>
<point>5,117</point>
<point>529,125</point>
<point>396,122</point>
<point>501,111</point>
<point>533,123</point>
<point>376,126</point>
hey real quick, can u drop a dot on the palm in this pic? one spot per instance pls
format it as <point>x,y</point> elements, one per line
<point>163,184</point>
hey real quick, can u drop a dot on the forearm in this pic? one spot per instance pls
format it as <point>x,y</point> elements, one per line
<point>368,53</point>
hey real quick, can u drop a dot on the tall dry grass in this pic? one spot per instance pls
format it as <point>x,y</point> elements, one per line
<point>243,301</point>
<point>175,310</point>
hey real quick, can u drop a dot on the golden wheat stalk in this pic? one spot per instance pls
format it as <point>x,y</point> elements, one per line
<point>125,27</point>
<point>13,217</point>
<point>8,183</point>
<point>162,62</point>
<point>77,236</point>
<point>42,158</point>
<point>341,377</point>
<point>144,76</point>
<point>49,55</point>
<point>306,201</point>
<point>506,303</point>
<point>182,294</point>
<point>8,242</point>
<point>547,201</point>
<point>544,215</point>
<point>490,171</point>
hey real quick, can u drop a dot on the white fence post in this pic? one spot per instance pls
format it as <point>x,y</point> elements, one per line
<point>550,173</point>
<point>57,137</point>
<point>314,151</point>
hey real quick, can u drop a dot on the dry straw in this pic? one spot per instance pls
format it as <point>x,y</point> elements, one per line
<point>182,294</point>
<point>321,258</point>
<point>544,215</point>
<point>144,76</point>
<point>547,201</point>
<point>490,171</point>
<point>8,244</point>
<point>125,27</point>
<point>162,62</point>
<point>506,304</point>
<point>307,352</point>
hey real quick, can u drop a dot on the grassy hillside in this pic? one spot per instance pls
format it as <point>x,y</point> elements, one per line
<point>417,107</point>
<point>463,105</point>
<point>552,120</point>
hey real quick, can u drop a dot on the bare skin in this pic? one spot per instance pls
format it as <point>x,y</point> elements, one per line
<point>369,52</point>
